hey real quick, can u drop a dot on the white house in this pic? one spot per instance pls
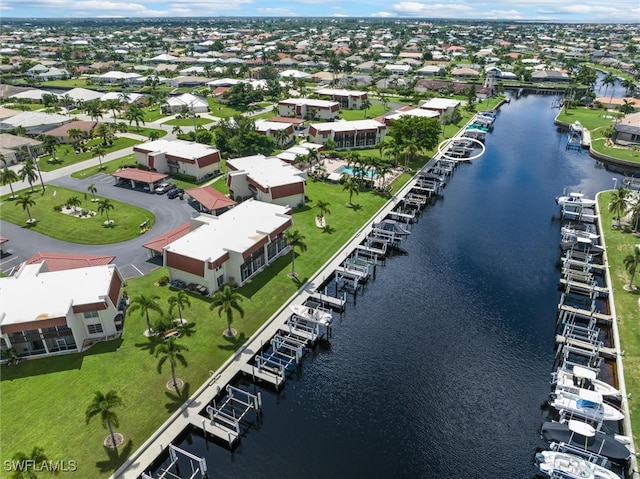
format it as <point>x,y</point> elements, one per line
<point>116,77</point>
<point>443,106</point>
<point>348,99</point>
<point>66,309</point>
<point>309,108</point>
<point>267,179</point>
<point>192,103</point>
<point>230,248</point>
<point>272,129</point>
<point>348,134</point>
<point>179,156</point>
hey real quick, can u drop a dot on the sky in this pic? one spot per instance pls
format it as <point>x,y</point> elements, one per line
<point>595,11</point>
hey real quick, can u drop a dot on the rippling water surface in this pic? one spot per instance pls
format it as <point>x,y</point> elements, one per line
<point>440,369</point>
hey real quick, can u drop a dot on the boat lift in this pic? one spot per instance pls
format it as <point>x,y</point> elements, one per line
<point>234,408</point>
<point>198,466</point>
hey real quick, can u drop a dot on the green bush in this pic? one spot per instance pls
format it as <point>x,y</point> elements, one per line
<point>57,208</point>
<point>163,280</point>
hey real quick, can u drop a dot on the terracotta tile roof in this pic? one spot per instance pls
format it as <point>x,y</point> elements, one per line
<point>142,176</point>
<point>64,261</point>
<point>169,237</point>
<point>210,198</point>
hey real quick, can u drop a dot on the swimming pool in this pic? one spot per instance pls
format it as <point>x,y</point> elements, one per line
<point>347,170</point>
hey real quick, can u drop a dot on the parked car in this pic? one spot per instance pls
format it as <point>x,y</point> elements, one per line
<point>174,193</point>
<point>162,188</point>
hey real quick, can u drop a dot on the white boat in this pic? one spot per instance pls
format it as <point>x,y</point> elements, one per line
<point>575,199</point>
<point>585,404</point>
<point>319,315</point>
<point>584,378</point>
<point>571,466</point>
<point>571,233</point>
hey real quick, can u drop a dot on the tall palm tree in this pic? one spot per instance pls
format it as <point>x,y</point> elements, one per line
<point>28,172</point>
<point>281,137</point>
<point>20,460</point>
<point>135,114</point>
<point>618,203</point>
<point>100,152</point>
<point>8,177</point>
<point>114,105</point>
<point>181,300</point>
<point>104,131</point>
<point>226,301</point>
<point>323,208</point>
<point>104,206</point>
<point>295,239</point>
<point>93,109</point>
<point>171,351</point>
<point>631,262</point>
<point>76,135</point>
<point>26,202</point>
<point>145,304</point>
<point>93,190</point>
<point>366,104</point>
<point>103,406</point>
<point>49,145</point>
<point>350,184</point>
<point>608,80</point>
<point>312,156</point>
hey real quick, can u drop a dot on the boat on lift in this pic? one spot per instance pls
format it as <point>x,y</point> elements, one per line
<point>575,199</point>
<point>584,403</point>
<point>316,314</point>
<point>585,378</point>
<point>570,466</point>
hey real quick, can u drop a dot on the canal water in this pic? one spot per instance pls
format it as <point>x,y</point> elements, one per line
<point>441,368</point>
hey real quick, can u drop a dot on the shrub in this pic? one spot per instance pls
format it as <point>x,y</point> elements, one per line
<point>164,280</point>
<point>57,208</point>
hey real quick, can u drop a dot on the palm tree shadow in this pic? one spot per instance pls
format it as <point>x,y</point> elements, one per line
<point>150,345</point>
<point>234,342</point>
<point>355,206</point>
<point>299,282</point>
<point>116,457</point>
<point>177,398</point>
<point>328,229</point>
<point>187,330</point>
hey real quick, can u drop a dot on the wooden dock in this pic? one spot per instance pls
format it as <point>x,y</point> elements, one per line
<point>336,304</point>
<point>226,435</point>
<point>588,289</point>
<point>263,375</point>
<point>585,313</point>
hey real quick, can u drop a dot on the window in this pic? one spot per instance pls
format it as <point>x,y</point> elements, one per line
<point>94,328</point>
<point>220,281</point>
<point>90,314</point>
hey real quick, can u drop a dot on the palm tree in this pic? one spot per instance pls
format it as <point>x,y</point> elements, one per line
<point>93,109</point>
<point>73,202</point>
<point>281,137</point>
<point>104,131</point>
<point>93,190</point>
<point>295,239</point>
<point>76,135</point>
<point>631,263</point>
<point>323,207</point>
<point>114,105</point>
<point>103,406</point>
<point>104,206</point>
<point>181,300</point>
<point>20,461</point>
<point>172,351</point>
<point>135,114</point>
<point>350,184</point>
<point>176,130</point>
<point>154,135</point>
<point>312,156</point>
<point>635,215</point>
<point>49,145</point>
<point>609,79</point>
<point>618,203</point>
<point>366,104</point>
<point>145,304</point>
<point>8,177</point>
<point>99,152</point>
<point>26,202</point>
<point>28,172</point>
<point>226,301</point>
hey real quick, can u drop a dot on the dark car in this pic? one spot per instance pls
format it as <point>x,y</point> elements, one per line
<point>174,193</point>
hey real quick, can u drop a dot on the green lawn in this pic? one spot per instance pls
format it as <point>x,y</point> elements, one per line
<point>220,109</point>
<point>66,156</point>
<point>188,122</point>
<point>88,230</point>
<point>108,167</point>
<point>620,243</point>
<point>374,111</point>
<point>55,414</point>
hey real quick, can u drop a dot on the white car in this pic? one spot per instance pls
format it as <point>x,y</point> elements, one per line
<point>162,188</point>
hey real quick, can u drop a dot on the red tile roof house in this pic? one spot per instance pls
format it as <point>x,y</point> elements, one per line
<point>73,303</point>
<point>309,108</point>
<point>179,156</point>
<point>62,132</point>
<point>266,179</point>
<point>230,248</point>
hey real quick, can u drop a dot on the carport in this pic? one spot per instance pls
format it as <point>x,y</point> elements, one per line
<point>210,200</point>
<point>135,176</point>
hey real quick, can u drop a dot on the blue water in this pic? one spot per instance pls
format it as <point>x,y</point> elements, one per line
<point>348,170</point>
<point>440,368</point>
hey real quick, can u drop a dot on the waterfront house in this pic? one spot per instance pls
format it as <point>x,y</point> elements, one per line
<point>230,248</point>
<point>72,302</point>
<point>267,179</point>
<point>441,105</point>
<point>179,156</point>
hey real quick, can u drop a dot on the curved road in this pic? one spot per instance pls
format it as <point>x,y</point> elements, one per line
<point>132,259</point>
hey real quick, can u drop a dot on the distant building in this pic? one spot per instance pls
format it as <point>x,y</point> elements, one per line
<point>309,108</point>
<point>272,129</point>
<point>179,156</point>
<point>192,104</point>
<point>348,99</point>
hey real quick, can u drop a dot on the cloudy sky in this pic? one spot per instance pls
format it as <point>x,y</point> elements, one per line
<point>549,10</point>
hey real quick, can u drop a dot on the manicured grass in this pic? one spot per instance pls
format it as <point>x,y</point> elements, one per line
<point>90,230</point>
<point>66,156</point>
<point>24,106</point>
<point>220,109</point>
<point>188,122</point>
<point>108,167</point>
<point>374,111</point>
<point>620,243</point>
<point>52,394</point>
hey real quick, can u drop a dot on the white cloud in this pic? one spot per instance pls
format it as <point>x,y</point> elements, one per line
<point>277,12</point>
<point>383,14</point>
<point>416,9</point>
